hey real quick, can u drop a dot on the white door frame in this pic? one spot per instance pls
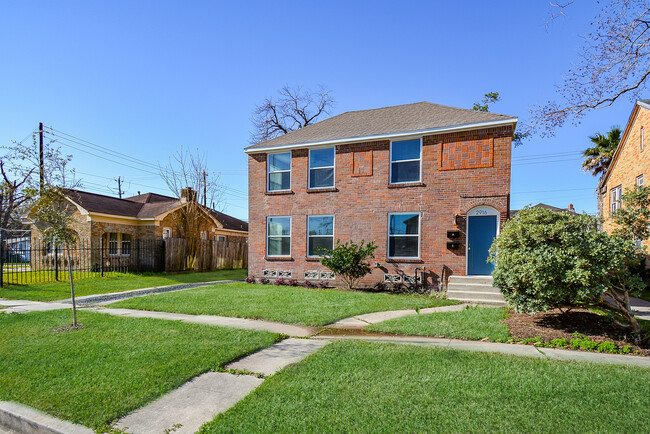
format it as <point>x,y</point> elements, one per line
<point>481,210</point>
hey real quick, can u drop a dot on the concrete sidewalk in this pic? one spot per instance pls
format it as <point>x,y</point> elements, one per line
<point>640,307</point>
<point>495,347</point>
<point>359,322</point>
<point>253,324</point>
<point>24,306</point>
<point>201,399</point>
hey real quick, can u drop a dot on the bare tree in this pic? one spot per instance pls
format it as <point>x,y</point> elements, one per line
<point>614,61</point>
<point>19,185</point>
<point>294,108</point>
<point>188,177</point>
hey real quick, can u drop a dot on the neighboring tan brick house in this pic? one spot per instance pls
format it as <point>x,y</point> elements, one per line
<point>118,224</point>
<point>630,163</point>
<point>410,178</point>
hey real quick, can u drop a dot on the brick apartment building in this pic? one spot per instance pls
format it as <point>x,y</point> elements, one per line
<point>429,184</point>
<point>630,163</point>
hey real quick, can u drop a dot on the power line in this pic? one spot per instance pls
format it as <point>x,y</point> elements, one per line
<point>552,155</point>
<point>551,191</point>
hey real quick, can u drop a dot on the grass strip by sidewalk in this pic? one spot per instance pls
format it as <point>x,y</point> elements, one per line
<point>294,305</point>
<point>472,323</point>
<point>115,283</point>
<point>112,365</point>
<point>353,386</point>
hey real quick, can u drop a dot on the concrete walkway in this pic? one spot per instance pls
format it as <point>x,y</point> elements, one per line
<point>495,347</point>
<point>362,321</point>
<point>24,306</point>
<point>640,307</point>
<point>243,323</point>
<point>201,399</point>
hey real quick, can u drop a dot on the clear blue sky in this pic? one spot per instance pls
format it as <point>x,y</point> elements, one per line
<point>145,77</point>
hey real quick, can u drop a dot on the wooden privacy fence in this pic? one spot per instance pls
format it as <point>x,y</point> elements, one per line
<point>209,256</point>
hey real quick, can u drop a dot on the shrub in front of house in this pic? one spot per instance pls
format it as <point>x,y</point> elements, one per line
<point>547,260</point>
<point>349,260</point>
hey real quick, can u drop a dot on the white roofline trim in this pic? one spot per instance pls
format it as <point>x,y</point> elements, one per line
<point>643,104</point>
<point>464,127</point>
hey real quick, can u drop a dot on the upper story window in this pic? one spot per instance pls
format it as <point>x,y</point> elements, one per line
<point>320,234</point>
<point>405,161</point>
<point>278,236</point>
<point>404,235</point>
<point>639,180</point>
<point>321,168</point>
<point>615,198</point>
<point>642,144</point>
<point>279,171</point>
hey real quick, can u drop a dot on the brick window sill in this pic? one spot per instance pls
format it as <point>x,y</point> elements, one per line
<point>279,193</point>
<point>279,258</point>
<point>408,184</point>
<point>405,261</point>
<point>322,190</point>
<point>312,259</point>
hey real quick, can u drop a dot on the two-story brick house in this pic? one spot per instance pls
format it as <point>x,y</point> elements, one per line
<point>630,163</point>
<point>429,184</point>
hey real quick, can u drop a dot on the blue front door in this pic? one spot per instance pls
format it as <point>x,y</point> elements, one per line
<point>481,231</point>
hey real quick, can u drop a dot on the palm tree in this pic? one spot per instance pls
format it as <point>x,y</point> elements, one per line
<point>599,157</point>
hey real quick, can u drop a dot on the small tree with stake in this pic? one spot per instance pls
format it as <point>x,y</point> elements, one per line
<point>54,213</point>
<point>349,260</point>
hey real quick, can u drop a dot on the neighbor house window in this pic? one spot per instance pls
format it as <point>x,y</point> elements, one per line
<point>405,159</point>
<point>112,243</point>
<point>278,236</point>
<point>321,168</point>
<point>404,235</point>
<point>642,139</point>
<point>279,171</point>
<point>615,198</point>
<point>639,180</point>
<point>167,233</point>
<point>320,234</point>
<point>220,238</point>
<point>126,244</point>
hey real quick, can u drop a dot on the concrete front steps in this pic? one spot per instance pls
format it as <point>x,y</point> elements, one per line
<point>474,289</point>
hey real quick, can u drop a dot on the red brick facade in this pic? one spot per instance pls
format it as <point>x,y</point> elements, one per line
<point>631,161</point>
<point>362,199</point>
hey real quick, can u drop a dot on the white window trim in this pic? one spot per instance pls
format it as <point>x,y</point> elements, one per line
<point>322,236</point>
<point>167,231</point>
<point>639,178</point>
<point>268,171</point>
<point>130,244</point>
<point>419,235</point>
<point>390,161</point>
<point>615,204</point>
<point>279,236</point>
<point>118,241</point>
<point>309,169</point>
<point>642,139</point>
<point>217,237</point>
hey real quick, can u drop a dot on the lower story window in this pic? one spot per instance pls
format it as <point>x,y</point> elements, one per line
<point>118,244</point>
<point>404,235</point>
<point>320,234</point>
<point>278,236</point>
<point>112,243</point>
<point>126,244</point>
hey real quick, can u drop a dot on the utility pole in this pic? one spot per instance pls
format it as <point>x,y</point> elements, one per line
<point>119,186</point>
<point>205,190</point>
<point>40,156</point>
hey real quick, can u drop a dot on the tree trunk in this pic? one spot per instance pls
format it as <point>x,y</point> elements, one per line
<point>74,303</point>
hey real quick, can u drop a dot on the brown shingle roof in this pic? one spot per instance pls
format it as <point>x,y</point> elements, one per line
<point>383,121</point>
<point>229,222</point>
<point>148,205</point>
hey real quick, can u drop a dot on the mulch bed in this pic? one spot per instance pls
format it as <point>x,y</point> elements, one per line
<point>555,325</point>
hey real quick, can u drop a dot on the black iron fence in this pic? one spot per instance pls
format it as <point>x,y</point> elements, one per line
<point>24,261</point>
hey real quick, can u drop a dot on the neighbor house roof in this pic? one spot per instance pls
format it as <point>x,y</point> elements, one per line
<point>143,206</point>
<point>570,209</point>
<point>645,103</point>
<point>408,119</point>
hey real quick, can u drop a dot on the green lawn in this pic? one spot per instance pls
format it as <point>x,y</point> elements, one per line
<point>370,387</point>
<point>117,282</point>
<point>110,367</point>
<point>474,323</point>
<point>293,305</point>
